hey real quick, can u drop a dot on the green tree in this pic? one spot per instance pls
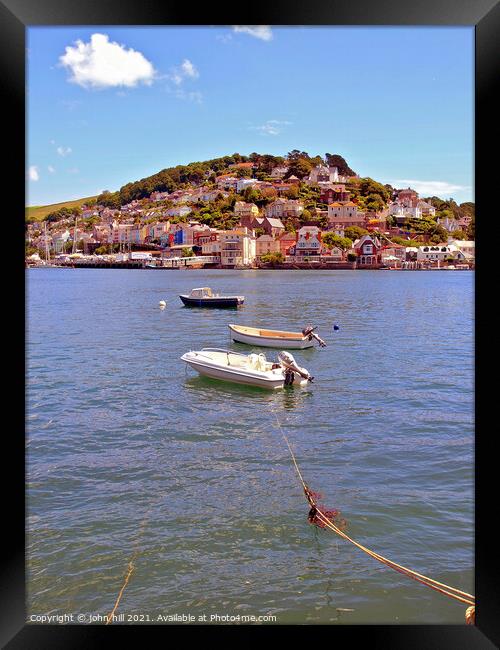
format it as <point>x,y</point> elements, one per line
<point>187,252</point>
<point>331,240</point>
<point>299,167</point>
<point>471,228</point>
<point>272,258</point>
<point>354,232</point>
<point>334,160</point>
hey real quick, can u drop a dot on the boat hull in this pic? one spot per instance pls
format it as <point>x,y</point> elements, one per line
<point>228,303</point>
<point>224,374</point>
<point>270,341</point>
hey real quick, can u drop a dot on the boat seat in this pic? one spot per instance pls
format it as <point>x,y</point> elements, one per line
<point>257,361</point>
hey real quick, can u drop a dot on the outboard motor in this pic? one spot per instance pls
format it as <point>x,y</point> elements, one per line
<point>290,365</point>
<point>309,331</point>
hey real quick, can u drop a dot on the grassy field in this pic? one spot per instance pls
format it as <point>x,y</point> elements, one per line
<point>38,212</point>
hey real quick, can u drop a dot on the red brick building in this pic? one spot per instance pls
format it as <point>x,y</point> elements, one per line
<point>368,250</point>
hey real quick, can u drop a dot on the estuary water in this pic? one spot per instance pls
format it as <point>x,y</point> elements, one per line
<point>133,457</point>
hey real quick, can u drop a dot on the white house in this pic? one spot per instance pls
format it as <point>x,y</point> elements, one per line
<point>323,174</point>
<point>308,241</point>
<point>237,247</point>
<point>434,253</point>
<point>279,171</point>
<point>178,211</point>
<point>466,246</point>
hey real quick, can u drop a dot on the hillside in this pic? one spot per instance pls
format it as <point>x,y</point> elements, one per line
<point>39,212</point>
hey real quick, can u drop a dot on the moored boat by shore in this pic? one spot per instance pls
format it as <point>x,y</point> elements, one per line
<point>251,370</point>
<point>204,297</point>
<point>274,338</point>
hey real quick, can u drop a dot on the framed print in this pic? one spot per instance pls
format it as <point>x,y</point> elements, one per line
<point>250,307</point>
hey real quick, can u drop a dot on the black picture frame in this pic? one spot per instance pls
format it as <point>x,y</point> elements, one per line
<point>15,17</point>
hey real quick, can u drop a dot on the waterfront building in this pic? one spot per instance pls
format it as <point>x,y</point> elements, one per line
<point>393,254</point>
<point>183,233</point>
<point>368,250</point>
<point>266,244</point>
<point>207,242</point>
<point>237,247</point>
<point>464,245</point>
<point>434,253</point>
<point>157,230</point>
<point>287,241</point>
<point>308,241</point>
<point>101,233</point>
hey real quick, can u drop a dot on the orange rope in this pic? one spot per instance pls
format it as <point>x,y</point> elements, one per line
<point>452,592</point>
<point>131,567</point>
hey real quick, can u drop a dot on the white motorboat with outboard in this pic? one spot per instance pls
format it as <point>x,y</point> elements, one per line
<point>250,369</point>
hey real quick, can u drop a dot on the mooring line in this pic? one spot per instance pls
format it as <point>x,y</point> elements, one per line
<point>446,590</point>
<point>131,567</point>
<point>136,553</point>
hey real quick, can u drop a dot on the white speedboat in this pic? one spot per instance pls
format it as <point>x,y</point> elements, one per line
<point>274,338</point>
<point>250,369</point>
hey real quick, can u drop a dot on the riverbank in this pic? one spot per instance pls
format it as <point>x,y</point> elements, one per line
<point>348,266</point>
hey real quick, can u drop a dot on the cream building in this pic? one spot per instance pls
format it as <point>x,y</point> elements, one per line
<point>237,247</point>
<point>266,244</point>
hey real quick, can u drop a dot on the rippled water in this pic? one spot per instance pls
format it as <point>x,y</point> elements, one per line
<point>129,452</point>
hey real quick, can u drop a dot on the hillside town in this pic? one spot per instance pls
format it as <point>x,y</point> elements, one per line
<point>298,213</point>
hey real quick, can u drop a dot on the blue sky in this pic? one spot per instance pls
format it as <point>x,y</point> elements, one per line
<point>105,110</point>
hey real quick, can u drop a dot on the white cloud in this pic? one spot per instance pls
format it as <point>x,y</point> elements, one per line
<point>271,127</point>
<point>224,38</point>
<point>64,151</point>
<point>104,64</point>
<point>186,69</point>
<point>51,169</point>
<point>33,173</point>
<point>192,96</point>
<point>263,32</point>
<point>189,70</point>
<point>430,188</point>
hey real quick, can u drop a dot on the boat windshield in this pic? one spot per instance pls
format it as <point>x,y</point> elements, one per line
<point>203,292</point>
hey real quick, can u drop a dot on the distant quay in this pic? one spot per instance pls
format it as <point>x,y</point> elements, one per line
<point>190,263</point>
